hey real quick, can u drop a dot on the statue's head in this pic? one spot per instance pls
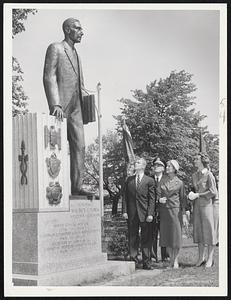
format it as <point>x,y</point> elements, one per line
<point>72,29</point>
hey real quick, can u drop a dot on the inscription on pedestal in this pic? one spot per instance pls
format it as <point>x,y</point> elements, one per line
<point>73,235</point>
<point>70,237</point>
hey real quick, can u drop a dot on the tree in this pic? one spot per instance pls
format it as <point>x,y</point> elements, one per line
<point>212,148</point>
<point>18,17</point>
<point>113,166</point>
<point>163,122</point>
<point>19,98</point>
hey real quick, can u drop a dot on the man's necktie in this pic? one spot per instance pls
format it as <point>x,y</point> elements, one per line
<point>138,181</point>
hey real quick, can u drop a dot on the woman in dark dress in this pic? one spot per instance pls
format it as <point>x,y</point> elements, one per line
<point>172,199</point>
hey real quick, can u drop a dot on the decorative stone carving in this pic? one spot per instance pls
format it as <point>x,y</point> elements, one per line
<point>52,137</point>
<point>53,165</point>
<point>23,165</point>
<point>54,193</point>
<point>39,164</point>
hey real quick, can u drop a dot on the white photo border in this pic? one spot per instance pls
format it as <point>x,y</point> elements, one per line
<point>11,290</point>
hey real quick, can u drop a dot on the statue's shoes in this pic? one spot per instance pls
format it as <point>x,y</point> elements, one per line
<point>82,192</point>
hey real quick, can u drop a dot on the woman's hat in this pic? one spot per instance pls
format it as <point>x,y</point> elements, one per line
<point>175,164</point>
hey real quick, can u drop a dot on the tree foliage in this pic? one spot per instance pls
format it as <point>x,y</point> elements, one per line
<point>19,98</point>
<point>18,17</point>
<point>113,166</point>
<point>163,122</point>
<point>212,148</point>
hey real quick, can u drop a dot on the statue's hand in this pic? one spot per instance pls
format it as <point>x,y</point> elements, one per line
<point>84,92</point>
<point>58,112</point>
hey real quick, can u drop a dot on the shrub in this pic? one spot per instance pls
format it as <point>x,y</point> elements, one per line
<point>118,244</point>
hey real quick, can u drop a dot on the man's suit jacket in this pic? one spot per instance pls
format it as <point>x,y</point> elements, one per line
<point>141,200</point>
<point>62,76</point>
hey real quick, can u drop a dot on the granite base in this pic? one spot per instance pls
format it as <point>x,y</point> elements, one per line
<point>61,248</point>
<point>77,277</point>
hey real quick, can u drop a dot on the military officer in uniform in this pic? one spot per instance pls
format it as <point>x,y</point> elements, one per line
<point>157,173</point>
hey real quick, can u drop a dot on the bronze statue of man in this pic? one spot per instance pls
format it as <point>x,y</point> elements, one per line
<point>64,88</point>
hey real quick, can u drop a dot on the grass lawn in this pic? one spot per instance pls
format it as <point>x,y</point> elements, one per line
<point>186,275</point>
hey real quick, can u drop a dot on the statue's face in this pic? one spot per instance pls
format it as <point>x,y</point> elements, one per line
<point>75,32</point>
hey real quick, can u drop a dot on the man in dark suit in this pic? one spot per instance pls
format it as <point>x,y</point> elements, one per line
<point>64,88</point>
<point>157,171</point>
<point>138,209</point>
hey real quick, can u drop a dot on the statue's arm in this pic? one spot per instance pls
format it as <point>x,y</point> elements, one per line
<point>83,89</point>
<point>50,78</point>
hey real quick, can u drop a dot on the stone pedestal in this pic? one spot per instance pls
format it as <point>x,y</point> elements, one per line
<point>55,243</point>
<point>61,248</point>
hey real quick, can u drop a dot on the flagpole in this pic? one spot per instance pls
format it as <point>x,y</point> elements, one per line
<point>100,152</point>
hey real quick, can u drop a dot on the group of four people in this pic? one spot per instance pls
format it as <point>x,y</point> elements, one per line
<point>159,202</point>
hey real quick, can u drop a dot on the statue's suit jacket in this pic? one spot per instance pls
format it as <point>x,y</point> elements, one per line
<point>141,200</point>
<point>62,77</point>
<point>63,83</point>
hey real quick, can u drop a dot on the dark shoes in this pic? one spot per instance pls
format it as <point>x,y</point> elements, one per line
<point>138,264</point>
<point>155,259</point>
<point>165,259</point>
<point>202,263</point>
<point>136,261</point>
<point>147,267</point>
<point>154,256</point>
<point>82,192</point>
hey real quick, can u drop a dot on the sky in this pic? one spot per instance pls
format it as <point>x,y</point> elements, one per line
<point>126,50</point>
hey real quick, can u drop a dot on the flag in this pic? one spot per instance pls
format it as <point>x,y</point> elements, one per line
<point>202,143</point>
<point>128,144</point>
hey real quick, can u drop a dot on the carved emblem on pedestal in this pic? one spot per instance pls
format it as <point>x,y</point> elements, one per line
<point>52,137</point>
<point>23,165</point>
<point>53,165</point>
<point>54,193</point>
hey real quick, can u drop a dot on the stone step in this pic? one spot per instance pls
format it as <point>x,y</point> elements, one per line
<point>109,225</point>
<point>78,277</point>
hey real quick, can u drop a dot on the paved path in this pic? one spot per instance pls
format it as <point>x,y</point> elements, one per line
<point>129,280</point>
